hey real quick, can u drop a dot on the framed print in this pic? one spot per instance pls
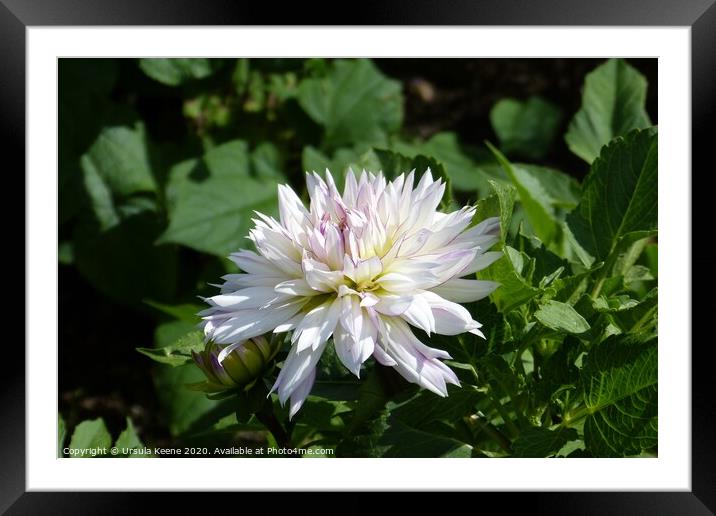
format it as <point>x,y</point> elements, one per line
<point>395,248</point>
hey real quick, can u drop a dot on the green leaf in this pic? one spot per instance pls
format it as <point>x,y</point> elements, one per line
<point>83,96</point>
<point>61,435</point>
<point>561,190</point>
<point>525,128</point>
<point>117,250</point>
<point>502,374</point>
<point>119,157</point>
<point>514,289</point>
<point>90,435</point>
<point>267,162</point>
<point>355,102</point>
<point>500,203</point>
<point>539,442</point>
<point>372,397</point>
<point>464,173</point>
<point>561,317</point>
<point>169,332</point>
<point>426,407</point>
<point>178,353</point>
<point>129,440</point>
<point>534,198</point>
<point>629,314</point>
<point>366,441</point>
<point>176,71</point>
<point>181,406</point>
<point>65,253</point>
<point>619,201</point>
<point>620,392</point>
<point>400,440</point>
<point>212,200</point>
<point>322,416</point>
<point>651,254</point>
<point>357,158</point>
<point>613,103</point>
<point>250,400</point>
<point>182,312</point>
<point>313,160</point>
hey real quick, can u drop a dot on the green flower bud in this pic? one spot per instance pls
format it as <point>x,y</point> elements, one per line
<point>244,362</point>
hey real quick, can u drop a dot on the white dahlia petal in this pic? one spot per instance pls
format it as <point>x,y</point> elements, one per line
<point>465,291</point>
<point>227,328</point>
<point>415,361</point>
<point>481,261</point>
<point>317,326</point>
<point>450,318</point>
<point>352,351</point>
<point>420,314</point>
<point>250,297</point>
<point>252,263</point>
<point>298,367</point>
<point>300,393</point>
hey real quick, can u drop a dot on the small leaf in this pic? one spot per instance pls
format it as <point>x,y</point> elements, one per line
<point>499,204</point>
<point>561,317</point>
<point>182,312</point>
<point>88,436</point>
<point>533,197</point>
<point>177,71</point>
<point>539,442</point>
<point>514,289</point>
<point>119,156</point>
<point>178,353</point>
<point>129,440</point>
<point>525,128</point>
<point>629,314</point>
<point>612,105</point>
<point>167,333</point>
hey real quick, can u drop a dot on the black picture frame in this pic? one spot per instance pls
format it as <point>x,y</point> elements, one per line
<point>17,15</point>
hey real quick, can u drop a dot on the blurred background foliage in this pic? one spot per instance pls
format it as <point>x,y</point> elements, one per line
<point>162,162</point>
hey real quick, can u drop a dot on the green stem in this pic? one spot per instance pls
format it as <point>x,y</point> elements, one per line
<point>495,402</point>
<point>578,414</point>
<point>647,318</point>
<point>267,418</point>
<point>502,412</point>
<point>491,431</point>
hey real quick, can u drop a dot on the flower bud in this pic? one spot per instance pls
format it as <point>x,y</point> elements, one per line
<point>243,364</point>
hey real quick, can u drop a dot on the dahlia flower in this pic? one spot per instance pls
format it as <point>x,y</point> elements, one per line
<point>362,267</point>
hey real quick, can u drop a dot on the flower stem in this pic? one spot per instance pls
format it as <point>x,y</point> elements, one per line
<point>500,408</point>
<point>491,431</point>
<point>573,416</point>
<point>267,418</point>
